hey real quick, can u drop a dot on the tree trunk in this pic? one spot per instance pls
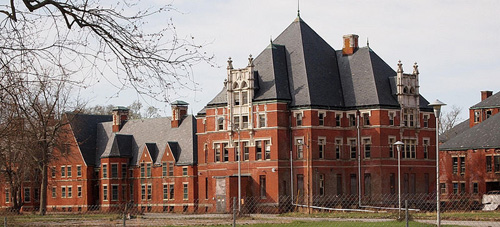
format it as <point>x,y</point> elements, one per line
<point>43,190</point>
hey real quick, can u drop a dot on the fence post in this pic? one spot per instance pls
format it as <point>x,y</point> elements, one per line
<point>234,211</point>
<point>5,221</point>
<point>406,208</point>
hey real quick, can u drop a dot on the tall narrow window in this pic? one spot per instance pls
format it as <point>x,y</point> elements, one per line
<point>352,144</point>
<point>258,150</point>
<point>236,122</point>
<point>352,120</point>
<point>455,188</point>
<point>143,170</point>
<point>300,148</point>
<point>53,171</point>
<point>172,191</point>
<point>321,118</point>
<point>70,191</point>
<point>455,165</point>
<point>391,118</point>
<point>150,192</point>
<point>69,171</point>
<point>477,116</point>
<point>148,169</point>
<point>27,195</point>
<point>462,165</point>
<point>368,184</point>
<point>426,148</point>
<point>226,152</point>
<point>63,171</point>
<point>54,192</point>
<point>217,152</point>
<point>475,188</point>
<point>262,120</point>
<point>104,171</point>
<point>185,191</point>
<point>244,98</point>
<point>165,191</point>
<point>392,183</point>
<point>321,147</point>
<point>78,171</point>
<point>321,184</point>
<point>267,154</point>
<point>392,140</point>
<point>337,119</point>
<point>409,149</point>
<point>63,192</point>
<point>496,161</point>
<point>79,191</point>
<point>105,192</point>
<point>237,151</point>
<point>114,170</point>
<point>462,188</point>
<point>488,164</point>
<point>246,151</point>
<point>442,188</point>
<point>220,123</point>
<point>338,148</point>
<point>368,147</point>
<point>124,170</point>
<point>114,192</point>
<point>143,192</point>
<point>263,187</point>
<point>244,121</point>
<point>171,169</point>
<point>36,194</point>
<point>7,195</point>
<point>298,117</point>
<point>488,114</point>
<point>366,119</point>
<point>124,194</point>
<point>206,187</point>
<point>236,98</point>
<point>426,121</point>
<point>339,184</point>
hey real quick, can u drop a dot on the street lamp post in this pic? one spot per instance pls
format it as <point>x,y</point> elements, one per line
<point>437,112</point>
<point>398,146</point>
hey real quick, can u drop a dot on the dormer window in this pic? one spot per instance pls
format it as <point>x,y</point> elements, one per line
<point>488,114</point>
<point>477,116</point>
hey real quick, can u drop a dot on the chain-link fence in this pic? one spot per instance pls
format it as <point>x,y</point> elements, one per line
<point>340,210</point>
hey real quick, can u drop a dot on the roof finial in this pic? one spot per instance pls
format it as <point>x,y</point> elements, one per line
<point>298,8</point>
<point>400,67</point>
<point>250,60</point>
<point>415,69</point>
<point>229,63</point>
<point>367,42</point>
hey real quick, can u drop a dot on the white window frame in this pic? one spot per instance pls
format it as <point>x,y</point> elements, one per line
<point>322,144</point>
<point>79,191</point>
<point>78,170</point>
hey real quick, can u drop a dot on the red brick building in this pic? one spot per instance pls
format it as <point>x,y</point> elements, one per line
<point>109,161</point>
<point>470,157</point>
<point>313,121</point>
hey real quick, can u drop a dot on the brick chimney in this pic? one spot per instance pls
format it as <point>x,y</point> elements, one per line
<point>485,94</point>
<point>120,117</point>
<point>350,44</point>
<point>179,112</point>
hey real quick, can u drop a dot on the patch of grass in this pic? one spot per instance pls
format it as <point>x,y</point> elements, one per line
<point>59,218</point>
<point>381,215</point>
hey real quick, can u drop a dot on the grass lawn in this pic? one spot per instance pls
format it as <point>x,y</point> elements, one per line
<point>337,223</point>
<point>463,216</point>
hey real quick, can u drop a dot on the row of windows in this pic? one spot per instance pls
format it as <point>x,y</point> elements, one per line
<point>115,192</point>
<point>221,151</point>
<point>114,170</point>
<point>241,122</point>
<point>66,171</point>
<point>477,115</point>
<point>408,150</point>
<point>27,195</point>
<point>458,187</point>
<point>67,191</point>
<point>409,119</point>
<point>493,166</point>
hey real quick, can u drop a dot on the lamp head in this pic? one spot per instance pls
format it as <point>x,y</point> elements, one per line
<point>398,145</point>
<point>436,105</point>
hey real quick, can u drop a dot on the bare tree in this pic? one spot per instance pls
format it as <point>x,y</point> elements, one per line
<point>449,119</point>
<point>39,104</point>
<point>97,41</point>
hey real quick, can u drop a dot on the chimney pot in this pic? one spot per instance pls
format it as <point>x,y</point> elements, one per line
<point>350,44</point>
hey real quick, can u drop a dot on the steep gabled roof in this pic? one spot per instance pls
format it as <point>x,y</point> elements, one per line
<point>301,68</point>
<point>85,128</point>
<point>491,102</point>
<point>484,135</point>
<point>154,135</point>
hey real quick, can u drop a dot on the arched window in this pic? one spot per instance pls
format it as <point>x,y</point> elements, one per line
<point>244,84</point>
<point>235,85</point>
<point>405,90</point>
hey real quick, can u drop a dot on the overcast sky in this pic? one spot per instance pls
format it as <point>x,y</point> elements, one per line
<point>455,43</point>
